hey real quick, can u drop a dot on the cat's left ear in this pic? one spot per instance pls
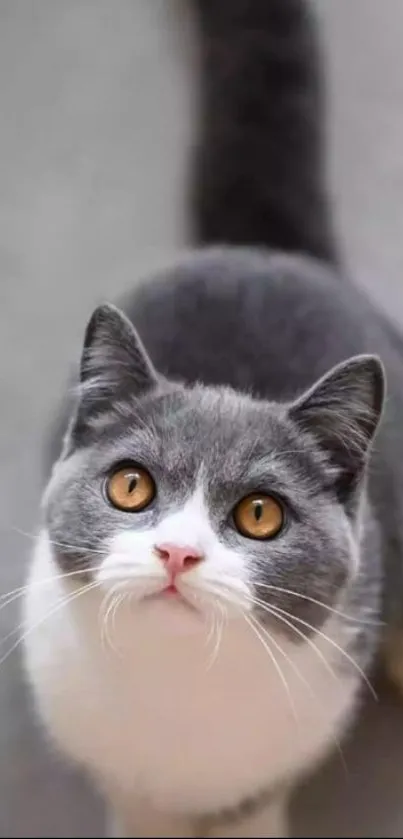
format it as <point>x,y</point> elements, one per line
<point>341,412</point>
<point>114,365</point>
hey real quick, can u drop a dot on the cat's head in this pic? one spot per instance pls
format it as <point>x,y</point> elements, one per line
<point>208,493</point>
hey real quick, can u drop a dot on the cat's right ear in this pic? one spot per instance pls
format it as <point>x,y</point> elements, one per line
<point>113,355</point>
<point>114,365</point>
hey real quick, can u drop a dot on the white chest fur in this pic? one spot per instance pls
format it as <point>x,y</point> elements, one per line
<point>157,717</point>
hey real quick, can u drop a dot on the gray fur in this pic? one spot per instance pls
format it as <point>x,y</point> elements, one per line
<point>311,452</point>
<point>272,324</point>
<point>257,368</point>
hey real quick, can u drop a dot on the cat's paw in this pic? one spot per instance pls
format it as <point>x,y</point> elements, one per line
<point>393,657</point>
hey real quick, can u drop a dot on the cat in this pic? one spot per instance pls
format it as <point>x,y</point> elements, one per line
<point>220,541</point>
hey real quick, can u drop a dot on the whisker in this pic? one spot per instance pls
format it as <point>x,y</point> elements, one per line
<point>101,620</point>
<point>220,629</point>
<point>229,596</point>
<point>273,610</point>
<point>280,590</point>
<point>334,644</point>
<point>307,685</point>
<point>105,609</point>
<point>66,601</point>
<point>118,602</point>
<point>12,631</point>
<point>20,590</point>
<point>114,597</point>
<point>83,548</point>
<point>270,653</point>
<point>211,632</point>
<point>293,665</point>
<point>126,575</point>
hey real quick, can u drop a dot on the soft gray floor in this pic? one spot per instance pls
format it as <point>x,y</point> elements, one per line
<point>95,120</point>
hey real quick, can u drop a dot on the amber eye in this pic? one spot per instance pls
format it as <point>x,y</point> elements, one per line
<point>130,488</point>
<point>259,516</point>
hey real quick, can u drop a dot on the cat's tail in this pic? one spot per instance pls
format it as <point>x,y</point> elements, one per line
<point>259,168</point>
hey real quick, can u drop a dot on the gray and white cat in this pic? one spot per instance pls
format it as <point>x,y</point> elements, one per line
<point>221,533</point>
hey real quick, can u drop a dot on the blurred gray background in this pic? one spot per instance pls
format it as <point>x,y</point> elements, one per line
<point>96,103</point>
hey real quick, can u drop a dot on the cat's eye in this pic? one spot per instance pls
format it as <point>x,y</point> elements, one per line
<point>130,488</point>
<point>259,516</point>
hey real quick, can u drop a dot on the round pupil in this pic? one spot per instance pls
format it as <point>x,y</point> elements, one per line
<point>258,510</point>
<point>132,483</point>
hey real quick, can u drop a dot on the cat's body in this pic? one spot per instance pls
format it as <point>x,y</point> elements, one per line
<point>196,708</point>
<point>273,324</point>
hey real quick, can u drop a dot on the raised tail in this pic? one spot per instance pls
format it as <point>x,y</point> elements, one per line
<point>259,171</point>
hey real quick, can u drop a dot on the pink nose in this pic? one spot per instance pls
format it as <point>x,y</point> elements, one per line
<point>178,559</point>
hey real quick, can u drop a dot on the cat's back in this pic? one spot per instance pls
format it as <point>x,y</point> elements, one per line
<point>271,324</point>
<point>259,321</point>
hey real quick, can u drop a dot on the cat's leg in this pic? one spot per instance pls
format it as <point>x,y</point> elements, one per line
<point>393,656</point>
<point>272,821</point>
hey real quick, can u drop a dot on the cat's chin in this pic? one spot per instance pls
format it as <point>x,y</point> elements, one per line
<point>171,614</point>
<point>186,610</point>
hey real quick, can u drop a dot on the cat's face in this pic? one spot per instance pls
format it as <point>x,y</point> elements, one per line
<point>205,498</point>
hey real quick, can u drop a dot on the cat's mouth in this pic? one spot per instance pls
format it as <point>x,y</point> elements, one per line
<point>168,593</point>
<point>171,593</point>
<point>193,595</point>
<point>170,590</point>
